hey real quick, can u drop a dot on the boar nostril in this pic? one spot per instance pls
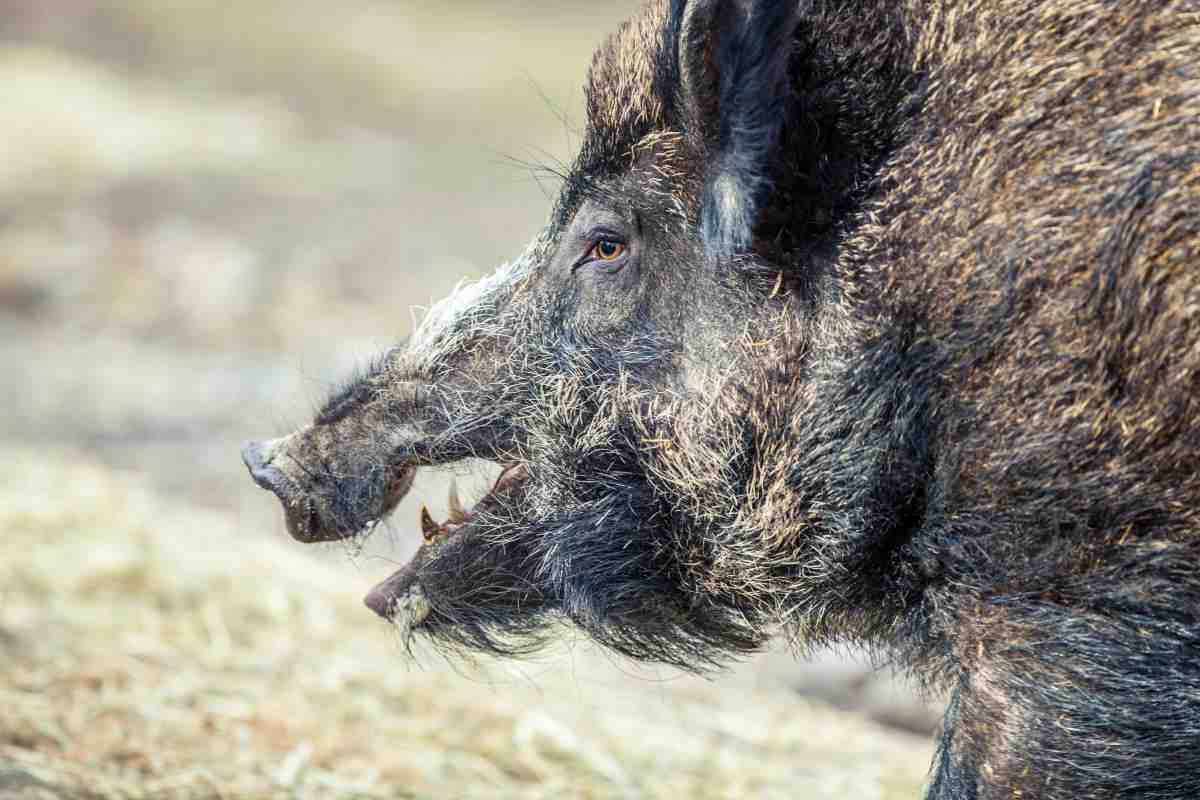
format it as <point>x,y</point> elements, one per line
<point>252,455</point>
<point>259,464</point>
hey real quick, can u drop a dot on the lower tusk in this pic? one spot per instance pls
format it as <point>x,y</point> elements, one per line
<point>429,528</point>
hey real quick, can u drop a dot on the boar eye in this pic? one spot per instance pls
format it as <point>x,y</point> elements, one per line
<point>602,250</point>
<point>608,250</point>
<point>606,254</point>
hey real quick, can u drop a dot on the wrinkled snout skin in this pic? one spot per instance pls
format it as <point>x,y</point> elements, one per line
<point>310,497</point>
<point>868,323</point>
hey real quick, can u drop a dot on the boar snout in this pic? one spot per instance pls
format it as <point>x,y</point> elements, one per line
<point>258,457</point>
<point>324,500</point>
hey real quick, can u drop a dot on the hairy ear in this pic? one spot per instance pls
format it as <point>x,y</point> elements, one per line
<point>733,62</point>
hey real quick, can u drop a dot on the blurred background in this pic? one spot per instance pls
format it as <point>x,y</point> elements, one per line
<point>211,212</point>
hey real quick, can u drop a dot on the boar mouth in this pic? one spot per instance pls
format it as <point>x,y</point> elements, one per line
<point>433,532</point>
<point>400,594</point>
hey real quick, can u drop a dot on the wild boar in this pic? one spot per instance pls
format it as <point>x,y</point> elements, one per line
<point>859,322</point>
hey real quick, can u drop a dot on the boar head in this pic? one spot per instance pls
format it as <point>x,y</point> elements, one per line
<point>641,373</point>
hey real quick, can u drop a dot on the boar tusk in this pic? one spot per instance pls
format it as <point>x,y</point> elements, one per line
<point>429,528</point>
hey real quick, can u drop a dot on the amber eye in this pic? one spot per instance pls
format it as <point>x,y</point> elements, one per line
<point>607,250</point>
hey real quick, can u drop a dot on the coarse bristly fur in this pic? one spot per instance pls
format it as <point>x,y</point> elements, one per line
<point>856,322</point>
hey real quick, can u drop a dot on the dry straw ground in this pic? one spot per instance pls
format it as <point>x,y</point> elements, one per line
<point>151,651</point>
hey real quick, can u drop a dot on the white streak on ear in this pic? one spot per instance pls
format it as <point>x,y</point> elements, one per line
<point>472,309</point>
<point>728,216</point>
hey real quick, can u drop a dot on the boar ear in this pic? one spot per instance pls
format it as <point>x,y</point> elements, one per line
<point>734,91</point>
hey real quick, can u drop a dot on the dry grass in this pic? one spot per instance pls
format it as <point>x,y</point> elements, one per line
<point>151,649</point>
